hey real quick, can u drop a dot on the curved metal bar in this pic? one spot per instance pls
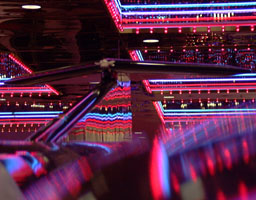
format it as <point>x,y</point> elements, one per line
<point>128,66</point>
<point>122,65</point>
<point>60,127</point>
<point>43,77</point>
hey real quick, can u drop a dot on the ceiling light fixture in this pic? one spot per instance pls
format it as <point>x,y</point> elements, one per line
<point>151,41</point>
<point>31,7</point>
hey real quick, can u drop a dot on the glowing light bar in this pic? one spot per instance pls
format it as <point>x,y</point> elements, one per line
<point>205,88</point>
<point>165,113</point>
<point>108,117</point>
<point>140,55</point>
<point>188,19</point>
<point>210,113</point>
<point>5,90</point>
<point>31,7</point>
<point>205,110</point>
<point>201,80</point>
<point>33,112</point>
<point>248,74</point>
<point>119,13</point>
<point>25,89</point>
<point>189,12</point>
<point>199,118</point>
<point>20,63</point>
<point>151,41</point>
<point>197,5</point>
<point>199,84</point>
<point>28,116</point>
<point>24,121</point>
<point>4,79</point>
<point>187,25</point>
<point>34,115</point>
<point>144,63</point>
<point>209,86</point>
<point>52,89</point>
<point>136,55</point>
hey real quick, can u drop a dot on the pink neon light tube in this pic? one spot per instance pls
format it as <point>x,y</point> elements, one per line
<point>20,63</point>
<point>27,120</point>
<point>186,118</point>
<point>189,12</point>
<point>189,5</point>
<point>205,88</point>
<point>188,25</point>
<point>202,85</point>
<point>193,19</point>
<point>24,90</point>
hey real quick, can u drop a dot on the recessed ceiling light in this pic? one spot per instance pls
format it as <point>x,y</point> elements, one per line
<point>31,7</point>
<point>150,41</point>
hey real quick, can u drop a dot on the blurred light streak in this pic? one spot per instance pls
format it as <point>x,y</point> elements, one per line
<point>201,80</point>
<point>243,191</point>
<point>188,19</point>
<point>159,171</point>
<point>187,5</point>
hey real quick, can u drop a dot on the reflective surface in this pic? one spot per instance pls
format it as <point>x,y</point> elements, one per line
<point>153,138</point>
<point>181,135</point>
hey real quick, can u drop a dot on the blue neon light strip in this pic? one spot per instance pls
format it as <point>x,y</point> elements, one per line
<point>203,112</point>
<point>204,5</point>
<point>209,110</point>
<point>202,80</point>
<point>118,5</point>
<point>35,113</point>
<point>248,74</point>
<point>27,116</point>
<point>4,79</point>
<point>139,55</point>
<point>189,12</point>
<point>199,5</point>
<point>1,83</point>
<point>108,117</point>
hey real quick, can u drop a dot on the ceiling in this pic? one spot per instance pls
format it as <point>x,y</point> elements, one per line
<point>63,32</point>
<point>68,32</point>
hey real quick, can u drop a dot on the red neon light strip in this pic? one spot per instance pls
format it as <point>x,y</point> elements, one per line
<point>52,89</point>
<point>122,126</point>
<point>27,120</point>
<point>134,56</point>
<point>202,85</point>
<point>171,119</point>
<point>113,106</point>
<point>193,19</point>
<point>108,122</point>
<point>11,56</point>
<point>159,112</point>
<point>114,14</point>
<point>205,88</point>
<point>188,25</point>
<point>10,90</point>
<point>147,86</point>
<point>120,89</point>
<point>20,123</point>
<point>116,97</point>
<point>187,87</point>
<point>25,88</point>
<point>23,91</point>
<point>101,132</point>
